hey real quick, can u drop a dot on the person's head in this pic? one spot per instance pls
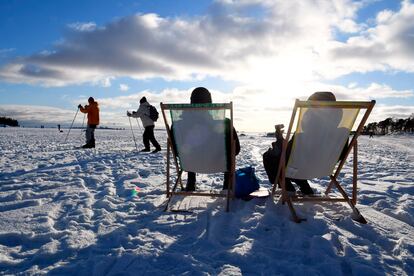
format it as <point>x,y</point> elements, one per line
<point>143,100</point>
<point>200,95</point>
<point>322,96</point>
<point>91,100</point>
<point>329,117</point>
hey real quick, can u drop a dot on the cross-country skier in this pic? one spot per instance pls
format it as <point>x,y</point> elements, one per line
<point>92,109</point>
<point>143,112</point>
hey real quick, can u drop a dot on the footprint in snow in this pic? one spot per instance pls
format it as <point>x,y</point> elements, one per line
<point>144,173</point>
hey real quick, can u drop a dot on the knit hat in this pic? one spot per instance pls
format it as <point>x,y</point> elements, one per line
<point>143,100</point>
<point>322,96</point>
<point>200,95</point>
<point>91,100</point>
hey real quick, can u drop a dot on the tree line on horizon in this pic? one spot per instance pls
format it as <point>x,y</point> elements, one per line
<point>8,122</point>
<point>390,125</point>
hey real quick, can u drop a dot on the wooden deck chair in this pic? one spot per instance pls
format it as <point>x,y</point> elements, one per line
<point>322,131</point>
<point>197,140</point>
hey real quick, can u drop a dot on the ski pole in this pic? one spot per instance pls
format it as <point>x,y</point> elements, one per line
<point>133,135</point>
<point>83,122</point>
<point>71,124</point>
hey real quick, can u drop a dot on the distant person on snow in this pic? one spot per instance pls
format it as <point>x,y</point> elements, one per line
<point>92,109</point>
<point>143,112</point>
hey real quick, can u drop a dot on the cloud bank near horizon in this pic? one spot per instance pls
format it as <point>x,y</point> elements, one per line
<point>254,110</point>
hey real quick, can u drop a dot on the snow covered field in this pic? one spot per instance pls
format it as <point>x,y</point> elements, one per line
<point>66,211</point>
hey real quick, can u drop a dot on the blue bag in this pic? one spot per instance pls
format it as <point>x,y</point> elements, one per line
<point>246,182</point>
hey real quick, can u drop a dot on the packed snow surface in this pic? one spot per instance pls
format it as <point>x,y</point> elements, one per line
<point>100,212</point>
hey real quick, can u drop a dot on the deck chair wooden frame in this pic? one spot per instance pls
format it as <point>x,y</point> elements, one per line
<point>171,152</point>
<point>289,198</point>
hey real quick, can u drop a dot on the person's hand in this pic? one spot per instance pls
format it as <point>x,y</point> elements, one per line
<point>79,106</point>
<point>279,131</point>
<point>128,114</point>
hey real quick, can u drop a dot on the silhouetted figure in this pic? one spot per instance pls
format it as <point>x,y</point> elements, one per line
<point>275,153</point>
<point>201,95</point>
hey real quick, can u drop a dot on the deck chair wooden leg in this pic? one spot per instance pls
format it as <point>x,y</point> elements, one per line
<point>284,193</point>
<point>173,190</point>
<point>229,191</point>
<point>168,169</point>
<point>293,212</point>
<point>287,199</point>
<point>328,190</point>
<point>355,174</point>
<point>356,214</point>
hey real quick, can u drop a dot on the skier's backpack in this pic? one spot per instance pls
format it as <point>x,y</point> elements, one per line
<point>153,113</point>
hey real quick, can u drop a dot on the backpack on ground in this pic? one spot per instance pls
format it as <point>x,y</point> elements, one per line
<point>246,182</point>
<point>153,113</point>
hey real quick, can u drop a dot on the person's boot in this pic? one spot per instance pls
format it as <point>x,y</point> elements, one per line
<point>226,181</point>
<point>288,185</point>
<point>305,187</point>
<point>156,150</point>
<point>89,145</point>
<point>190,187</point>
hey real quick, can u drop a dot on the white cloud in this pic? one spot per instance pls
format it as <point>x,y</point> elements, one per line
<point>83,27</point>
<point>34,116</point>
<point>29,115</point>
<point>282,50</point>
<point>374,91</point>
<point>381,112</point>
<point>285,41</point>
<point>255,108</point>
<point>123,87</point>
<point>106,82</point>
<point>386,46</point>
<point>6,51</point>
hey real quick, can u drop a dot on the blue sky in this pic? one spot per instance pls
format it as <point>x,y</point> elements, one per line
<point>259,54</point>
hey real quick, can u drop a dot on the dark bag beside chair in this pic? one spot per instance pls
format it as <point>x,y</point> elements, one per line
<point>246,182</point>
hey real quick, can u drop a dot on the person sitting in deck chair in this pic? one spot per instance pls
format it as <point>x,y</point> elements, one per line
<point>201,95</point>
<point>309,119</point>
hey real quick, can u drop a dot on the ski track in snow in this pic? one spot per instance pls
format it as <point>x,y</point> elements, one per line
<point>66,211</point>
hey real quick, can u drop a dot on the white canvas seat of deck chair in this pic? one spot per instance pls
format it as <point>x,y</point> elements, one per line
<point>322,131</point>
<point>197,140</point>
